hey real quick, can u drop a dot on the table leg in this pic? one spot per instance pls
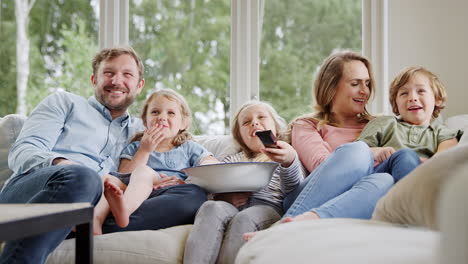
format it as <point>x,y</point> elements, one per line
<point>84,243</point>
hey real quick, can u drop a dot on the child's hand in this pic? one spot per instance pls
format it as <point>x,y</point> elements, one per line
<point>151,138</point>
<point>284,155</point>
<point>166,181</point>
<point>381,154</point>
<point>237,199</point>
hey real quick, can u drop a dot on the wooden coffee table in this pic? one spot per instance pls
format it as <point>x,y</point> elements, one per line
<point>22,220</point>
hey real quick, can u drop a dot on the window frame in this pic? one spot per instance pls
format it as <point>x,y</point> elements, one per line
<point>375,48</point>
<point>246,29</point>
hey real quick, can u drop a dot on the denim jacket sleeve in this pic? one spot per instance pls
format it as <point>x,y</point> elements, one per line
<point>33,147</point>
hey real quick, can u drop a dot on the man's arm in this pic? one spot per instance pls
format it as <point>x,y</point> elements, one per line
<point>40,132</point>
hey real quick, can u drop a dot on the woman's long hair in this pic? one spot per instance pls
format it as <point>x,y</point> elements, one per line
<point>325,86</point>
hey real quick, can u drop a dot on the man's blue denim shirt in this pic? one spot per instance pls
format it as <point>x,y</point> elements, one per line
<point>69,126</point>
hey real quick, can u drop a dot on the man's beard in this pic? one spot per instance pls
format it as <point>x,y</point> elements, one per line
<point>122,106</point>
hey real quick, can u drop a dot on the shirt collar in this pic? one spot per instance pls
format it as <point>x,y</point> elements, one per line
<point>124,119</point>
<point>431,125</point>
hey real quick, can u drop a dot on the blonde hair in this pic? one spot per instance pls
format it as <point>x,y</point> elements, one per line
<point>325,87</point>
<point>183,135</point>
<point>111,53</point>
<point>440,94</point>
<point>280,126</point>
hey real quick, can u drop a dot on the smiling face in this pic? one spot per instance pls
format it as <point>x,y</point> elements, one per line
<point>416,101</point>
<point>117,83</point>
<point>252,119</point>
<point>352,91</point>
<point>167,113</point>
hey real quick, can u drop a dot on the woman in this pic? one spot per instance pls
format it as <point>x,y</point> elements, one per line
<point>341,182</point>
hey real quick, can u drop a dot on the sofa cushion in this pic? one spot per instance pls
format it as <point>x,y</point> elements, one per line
<point>221,146</point>
<point>457,122</point>
<point>413,200</point>
<point>165,246</point>
<point>350,241</point>
<point>10,126</point>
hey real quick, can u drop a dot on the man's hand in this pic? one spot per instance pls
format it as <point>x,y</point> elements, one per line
<point>381,154</point>
<point>166,181</point>
<point>237,199</point>
<point>62,161</point>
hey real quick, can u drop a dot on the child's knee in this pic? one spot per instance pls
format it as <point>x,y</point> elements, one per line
<point>407,155</point>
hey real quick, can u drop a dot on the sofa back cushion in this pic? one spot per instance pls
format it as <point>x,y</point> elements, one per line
<point>10,126</point>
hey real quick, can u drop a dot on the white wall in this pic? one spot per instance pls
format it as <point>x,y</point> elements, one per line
<point>432,34</point>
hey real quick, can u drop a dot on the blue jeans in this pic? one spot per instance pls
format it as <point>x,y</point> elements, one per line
<point>165,207</point>
<point>55,184</point>
<point>399,164</point>
<point>344,185</point>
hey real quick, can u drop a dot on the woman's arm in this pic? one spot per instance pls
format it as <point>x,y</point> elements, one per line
<point>309,144</point>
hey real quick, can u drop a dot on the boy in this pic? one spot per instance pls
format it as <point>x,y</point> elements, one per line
<point>400,144</point>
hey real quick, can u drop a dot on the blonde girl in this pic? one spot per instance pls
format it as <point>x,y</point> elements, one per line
<point>154,160</point>
<point>219,225</point>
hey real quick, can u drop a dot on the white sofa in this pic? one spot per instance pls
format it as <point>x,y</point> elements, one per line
<point>324,241</point>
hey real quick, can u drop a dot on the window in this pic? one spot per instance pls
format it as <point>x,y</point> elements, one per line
<point>296,37</point>
<point>185,46</point>
<point>60,37</point>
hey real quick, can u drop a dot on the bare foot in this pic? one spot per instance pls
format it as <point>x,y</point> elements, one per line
<point>115,198</point>
<point>249,235</point>
<point>303,217</point>
<point>97,226</point>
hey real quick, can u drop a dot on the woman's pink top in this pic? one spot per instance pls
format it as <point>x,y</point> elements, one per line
<point>314,146</point>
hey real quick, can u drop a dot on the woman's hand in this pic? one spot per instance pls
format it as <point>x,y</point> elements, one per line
<point>166,181</point>
<point>284,155</point>
<point>237,199</point>
<point>382,153</point>
<point>152,137</point>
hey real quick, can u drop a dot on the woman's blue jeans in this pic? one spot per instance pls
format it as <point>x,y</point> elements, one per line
<point>344,185</point>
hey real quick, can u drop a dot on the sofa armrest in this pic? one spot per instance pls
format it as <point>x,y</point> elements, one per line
<point>453,216</point>
<point>10,126</point>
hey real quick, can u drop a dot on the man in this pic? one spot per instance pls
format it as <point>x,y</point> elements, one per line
<point>68,142</point>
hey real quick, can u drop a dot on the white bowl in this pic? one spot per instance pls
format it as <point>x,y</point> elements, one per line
<point>232,177</point>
